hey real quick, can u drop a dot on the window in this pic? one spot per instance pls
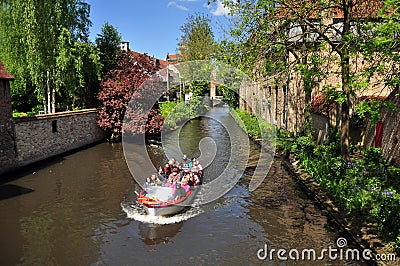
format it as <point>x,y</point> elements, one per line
<point>6,86</point>
<point>3,87</point>
<point>54,126</point>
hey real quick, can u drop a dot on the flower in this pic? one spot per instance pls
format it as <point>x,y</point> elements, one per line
<point>388,192</point>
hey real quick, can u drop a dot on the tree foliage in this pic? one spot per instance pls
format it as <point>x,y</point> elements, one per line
<point>197,39</point>
<point>116,92</point>
<point>108,42</point>
<point>322,41</point>
<point>45,45</point>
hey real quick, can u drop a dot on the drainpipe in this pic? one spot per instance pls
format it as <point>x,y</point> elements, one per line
<point>167,83</point>
<point>285,92</point>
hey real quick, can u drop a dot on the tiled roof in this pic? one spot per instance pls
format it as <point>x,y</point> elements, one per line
<point>163,63</point>
<point>4,74</point>
<point>320,104</point>
<point>173,57</point>
<point>365,9</point>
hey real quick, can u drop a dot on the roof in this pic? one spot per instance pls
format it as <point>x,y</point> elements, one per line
<point>173,57</point>
<point>361,10</point>
<point>4,74</point>
<point>321,104</point>
<point>365,9</point>
<point>162,63</point>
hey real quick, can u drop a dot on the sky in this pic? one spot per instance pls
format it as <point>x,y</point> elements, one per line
<point>153,26</point>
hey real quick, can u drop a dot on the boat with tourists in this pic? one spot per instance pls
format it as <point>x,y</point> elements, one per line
<point>172,189</point>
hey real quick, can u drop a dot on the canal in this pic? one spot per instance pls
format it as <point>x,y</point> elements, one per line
<point>79,209</point>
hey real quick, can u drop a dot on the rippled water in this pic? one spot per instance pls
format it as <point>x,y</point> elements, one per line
<point>80,209</point>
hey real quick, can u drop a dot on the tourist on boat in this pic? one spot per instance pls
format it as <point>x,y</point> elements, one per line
<point>180,167</point>
<point>191,181</point>
<point>173,175</point>
<point>185,161</point>
<point>155,181</point>
<point>167,170</point>
<point>185,184</point>
<point>171,162</point>
<point>179,192</point>
<point>162,173</point>
<point>190,164</point>
<point>169,182</point>
<point>200,168</point>
<point>194,169</point>
<point>177,178</point>
<point>196,179</point>
<point>147,184</point>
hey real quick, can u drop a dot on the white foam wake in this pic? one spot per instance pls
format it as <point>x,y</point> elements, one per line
<point>134,211</point>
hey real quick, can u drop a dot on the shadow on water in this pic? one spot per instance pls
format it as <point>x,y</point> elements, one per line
<point>9,191</point>
<point>21,172</point>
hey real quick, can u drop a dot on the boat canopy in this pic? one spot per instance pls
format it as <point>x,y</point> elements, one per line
<point>159,193</point>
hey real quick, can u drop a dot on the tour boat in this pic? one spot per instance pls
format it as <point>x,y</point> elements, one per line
<point>156,202</point>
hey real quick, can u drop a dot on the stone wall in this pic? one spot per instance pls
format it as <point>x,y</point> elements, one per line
<point>7,145</point>
<point>36,138</point>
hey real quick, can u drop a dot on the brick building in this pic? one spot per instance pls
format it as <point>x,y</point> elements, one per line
<point>7,147</point>
<point>280,97</point>
<point>5,97</point>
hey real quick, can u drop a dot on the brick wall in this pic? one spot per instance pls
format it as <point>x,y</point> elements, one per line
<point>40,137</point>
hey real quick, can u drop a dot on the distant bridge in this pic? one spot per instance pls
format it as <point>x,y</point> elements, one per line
<point>216,100</point>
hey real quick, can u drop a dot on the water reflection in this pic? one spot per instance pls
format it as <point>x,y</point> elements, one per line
<point>153,234</point>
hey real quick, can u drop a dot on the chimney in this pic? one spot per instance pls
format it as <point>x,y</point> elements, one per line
<point>124,46</point>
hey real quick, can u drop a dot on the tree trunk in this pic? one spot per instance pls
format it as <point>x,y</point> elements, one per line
<point>53,100</point>
<point>345,64</point>
<point>44,102</point>
<point>48,93</point>
<point>53,94</point>
<point>344,131</point>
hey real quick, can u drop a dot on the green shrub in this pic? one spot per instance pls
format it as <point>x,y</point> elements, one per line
<point>366,186</point>
<point>255,126</point>
<point>176,113</point>
<point>166,108</point>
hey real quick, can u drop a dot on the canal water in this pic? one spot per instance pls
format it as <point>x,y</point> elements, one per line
<point>80,209</point>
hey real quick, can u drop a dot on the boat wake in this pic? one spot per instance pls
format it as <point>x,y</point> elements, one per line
<point>135,211</point>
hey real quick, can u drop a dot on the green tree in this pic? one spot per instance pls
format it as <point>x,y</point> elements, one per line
<point>36,37</point>
<point>273,37</point>
<point>77,72</point>
<point>108,42</point>
<point>197,39</point>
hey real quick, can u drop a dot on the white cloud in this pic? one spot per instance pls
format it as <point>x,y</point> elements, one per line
<point>188,0</point>
<point>174,4</point>
<point>218,9</point>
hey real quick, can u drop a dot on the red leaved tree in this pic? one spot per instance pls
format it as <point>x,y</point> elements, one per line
<point>117,90</point>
